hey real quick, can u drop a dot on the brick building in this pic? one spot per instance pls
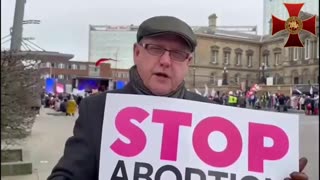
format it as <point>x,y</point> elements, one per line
<point>65,71</point>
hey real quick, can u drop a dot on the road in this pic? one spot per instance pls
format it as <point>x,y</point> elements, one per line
<point>45,145</point>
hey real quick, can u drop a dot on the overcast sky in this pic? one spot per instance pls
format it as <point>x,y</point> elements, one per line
<point>65,23</point>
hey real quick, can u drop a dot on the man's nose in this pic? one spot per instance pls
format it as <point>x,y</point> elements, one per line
<point>165,59</point>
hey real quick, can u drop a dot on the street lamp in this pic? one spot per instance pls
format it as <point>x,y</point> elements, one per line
<point>225,72</point>
<point>262,68</point>
<point>194,77</point>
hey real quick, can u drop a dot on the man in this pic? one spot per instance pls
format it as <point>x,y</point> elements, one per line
<point>162,56</point>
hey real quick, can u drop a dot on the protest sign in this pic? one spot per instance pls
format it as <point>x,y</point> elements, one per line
<point>159,138</point>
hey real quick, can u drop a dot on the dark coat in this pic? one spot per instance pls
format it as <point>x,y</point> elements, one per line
<point>80,160</point>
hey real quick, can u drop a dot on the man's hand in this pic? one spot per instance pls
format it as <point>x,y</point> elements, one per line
<point>299,175</point>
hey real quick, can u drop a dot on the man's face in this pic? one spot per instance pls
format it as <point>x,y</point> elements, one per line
<point>162,74</point>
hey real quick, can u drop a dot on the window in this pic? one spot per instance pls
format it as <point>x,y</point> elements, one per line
<point>307,49</point>
<point>60,76</point>
<point>214,57</point>
<point>74,67</point>
<point>238,59</point>
<point>277,59</point>
<point>61,66</point>
<point>295,54</point>
<point>48,64</point>
<point>52,65</point>
<point>249,54</point>
<point>237,78</point>
<point>82,67</point>
<point>54,76</point>
<point>249,60</point>
<point>266,60</point>
<point>226,58</point>
<point>45,76</point>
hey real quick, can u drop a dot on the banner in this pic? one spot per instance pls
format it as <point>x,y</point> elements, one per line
<point>50,85</point>
<point>159,138</point>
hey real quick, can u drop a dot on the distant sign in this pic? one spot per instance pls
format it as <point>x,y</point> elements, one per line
<point>117,28</point>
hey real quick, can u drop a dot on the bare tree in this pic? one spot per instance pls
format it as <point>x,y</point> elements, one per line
<point>20,92</point>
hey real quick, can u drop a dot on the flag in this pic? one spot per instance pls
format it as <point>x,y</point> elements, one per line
<point>257,87</point>
<point>206,90</point>
<point>311,90</point>
<point>198,92</point>
<point>298,91</point>
<point>104,60</point>
<point>213,92</point>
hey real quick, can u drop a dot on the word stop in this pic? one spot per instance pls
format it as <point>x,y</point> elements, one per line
<point>173,120</point>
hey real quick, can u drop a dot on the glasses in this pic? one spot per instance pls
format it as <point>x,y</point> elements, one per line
<point>159,51</point>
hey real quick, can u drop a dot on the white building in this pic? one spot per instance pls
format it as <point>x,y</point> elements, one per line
<point>277,8</point>
<point>114,42</point>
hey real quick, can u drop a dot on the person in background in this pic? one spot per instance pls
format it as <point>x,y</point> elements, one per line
<point>57,104</point>
<point>71,106</point>
<point>63,106</point>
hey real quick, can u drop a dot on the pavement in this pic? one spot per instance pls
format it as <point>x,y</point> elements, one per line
<point>45,145</point>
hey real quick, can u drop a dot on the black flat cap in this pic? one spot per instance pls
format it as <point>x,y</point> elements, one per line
<point>167,24</point>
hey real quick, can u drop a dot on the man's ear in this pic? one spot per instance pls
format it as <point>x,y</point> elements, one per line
<point>136,50</point>
<point>190,59</point>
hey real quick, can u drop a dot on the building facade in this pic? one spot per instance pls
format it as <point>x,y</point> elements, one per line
<point>65,71</point>
<point>114,42</point>
<point>277,8</point>
<point>233,58</point>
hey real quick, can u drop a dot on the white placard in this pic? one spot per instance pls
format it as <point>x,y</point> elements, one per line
<point>168,139</point>
<point>69,88</point>
<point>269,81</point>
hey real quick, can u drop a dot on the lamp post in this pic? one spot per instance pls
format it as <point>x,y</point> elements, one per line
<point>194,77</point>
<point>225,72</point>
<point>262,68</point>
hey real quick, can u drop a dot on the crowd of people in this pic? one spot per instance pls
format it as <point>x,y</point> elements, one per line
<point>65,103</point>
<point>68,103</point>
<point>278,101</point>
